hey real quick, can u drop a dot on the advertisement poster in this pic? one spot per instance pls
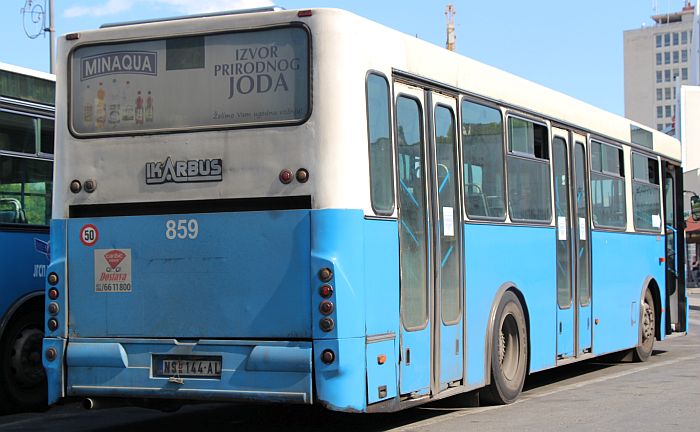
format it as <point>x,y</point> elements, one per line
<point>228,79</point>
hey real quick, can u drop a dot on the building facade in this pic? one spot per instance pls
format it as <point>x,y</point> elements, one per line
<point>658,60</point>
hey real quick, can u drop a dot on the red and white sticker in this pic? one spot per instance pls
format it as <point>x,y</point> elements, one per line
<point>113,270</point>
<point>89,235</point>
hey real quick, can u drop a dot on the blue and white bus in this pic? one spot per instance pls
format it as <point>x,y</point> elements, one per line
<point>26,153</point>
<point>307,207</point>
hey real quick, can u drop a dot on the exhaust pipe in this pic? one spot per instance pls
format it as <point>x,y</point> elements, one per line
<point>92,403</point>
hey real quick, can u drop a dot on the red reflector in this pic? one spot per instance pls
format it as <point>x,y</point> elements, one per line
<point>326,291</point>
<point>381,359</point>
<point>73,36</point>
<point>662,260</point>
<point>53,293</point>
<point>286,176</point>
<point>304,13</point>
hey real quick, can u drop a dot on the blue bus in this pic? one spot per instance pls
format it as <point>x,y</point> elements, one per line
<point>26,160</point>
<point>307,207</point>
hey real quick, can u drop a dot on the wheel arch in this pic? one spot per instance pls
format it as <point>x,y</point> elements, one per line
<point>652,285</point>
<point>512,287</point>
<point>32,302</point>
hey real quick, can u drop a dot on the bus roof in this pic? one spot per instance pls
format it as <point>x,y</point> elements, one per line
<point>29,72</point>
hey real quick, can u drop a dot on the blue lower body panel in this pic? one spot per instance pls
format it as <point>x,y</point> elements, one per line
<point>250,370</point>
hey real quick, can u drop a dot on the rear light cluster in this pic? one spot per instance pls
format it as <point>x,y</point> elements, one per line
<point>53,308</point>
<point>326,307</point>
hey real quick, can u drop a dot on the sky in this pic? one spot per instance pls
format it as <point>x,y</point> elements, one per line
<point>573,46</point>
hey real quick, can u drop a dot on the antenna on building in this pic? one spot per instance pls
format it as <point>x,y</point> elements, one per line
<point>34,15</point>
<point>450,13</point>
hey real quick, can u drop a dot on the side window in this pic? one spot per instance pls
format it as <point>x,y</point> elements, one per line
<point>607,185</point>
<point>484,180</point>
<point>25,190</point>
<point>529,191</point>
<point>379,136</point>
<point>646,193</point>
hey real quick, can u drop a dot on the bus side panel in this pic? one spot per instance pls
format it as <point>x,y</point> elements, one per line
<point>621,264</point>
<point>382,308</point>
<point>504,256</point>
<point>23,261</point>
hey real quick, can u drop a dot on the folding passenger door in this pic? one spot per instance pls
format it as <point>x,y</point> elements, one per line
<point>573,245</point>
<point>429,240</point>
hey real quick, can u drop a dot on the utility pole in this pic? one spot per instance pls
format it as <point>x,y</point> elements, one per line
<point>450,13</point>
<point>34,20</point>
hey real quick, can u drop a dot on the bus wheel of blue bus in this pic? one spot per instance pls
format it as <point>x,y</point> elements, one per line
<point>22,376</point>
<point>509,352</point>
<point>648,324</point>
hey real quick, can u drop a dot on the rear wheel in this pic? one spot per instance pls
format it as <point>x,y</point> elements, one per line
<point>22,376</point>
<point>648,329</point>
<point>509,352</point>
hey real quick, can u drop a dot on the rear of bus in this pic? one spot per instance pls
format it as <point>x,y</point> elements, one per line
<point>205,246</point>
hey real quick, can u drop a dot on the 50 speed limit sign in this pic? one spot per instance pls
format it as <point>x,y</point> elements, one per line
<point>89,235</point>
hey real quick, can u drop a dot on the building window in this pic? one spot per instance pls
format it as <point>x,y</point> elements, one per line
<point>667,93</point>
<point>529,192</point>
<point>676,73</point>
<point>667,57</point>
<point>667,110</point>
<point>658,59</point>
<point>608,185</point>
<point>675,57</point>
<point>684,74</point>
<point>667,75</point>
<point>484,177</point>
<point>684,37</point>
<point>659,77</point>
<point>667,39</point>
<point>659,112</point>
<point>658,94</point>
<point>675,38</point>
<point>684,56</point>
<point>658,41</point>
<point>674,93</point>
<point>646,193</point>
<point>659,126</point>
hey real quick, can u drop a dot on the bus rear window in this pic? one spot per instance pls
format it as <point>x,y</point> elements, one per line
<point>194,82</point>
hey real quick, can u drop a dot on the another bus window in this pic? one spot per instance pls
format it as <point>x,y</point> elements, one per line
<point>380,157</point>
<point>582,256</point>
<point>46,126</point>
<point>17,133</point>
<point>482,140</point>
<point>607,186</point>
<point>646,193</point>
<point>529,196</point>
<point>25,190</point>
<point>563,215</point>
<point>448,206</point>
<point>412,214</point>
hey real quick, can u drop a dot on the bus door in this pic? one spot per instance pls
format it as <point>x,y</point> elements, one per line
<point>675,281</point>
<point>429,241</point>
<point>572,245</point>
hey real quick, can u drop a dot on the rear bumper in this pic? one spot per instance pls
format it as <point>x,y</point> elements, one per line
<point>263,371</point>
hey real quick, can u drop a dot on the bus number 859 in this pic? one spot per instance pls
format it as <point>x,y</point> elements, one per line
<point>181,229</point>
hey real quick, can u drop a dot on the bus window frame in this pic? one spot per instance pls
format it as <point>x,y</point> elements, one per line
<point>602,141</point>
<point>390,103</point>
<point>659,186</point>
<point>526,156</point>
<point>27,226</point>
<point>192,129</point>
<point>504,151</point>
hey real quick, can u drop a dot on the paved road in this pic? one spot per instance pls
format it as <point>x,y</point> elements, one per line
<point>662,394</point>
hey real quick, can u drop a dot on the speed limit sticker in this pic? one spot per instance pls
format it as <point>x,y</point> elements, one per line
<point>89,235</point>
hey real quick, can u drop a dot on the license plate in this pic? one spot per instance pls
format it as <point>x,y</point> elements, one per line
<point>187,366</point>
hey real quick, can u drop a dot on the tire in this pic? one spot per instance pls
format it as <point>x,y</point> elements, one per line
<point>22,376</point>
<point>509,352</point>
<point>647,326</point>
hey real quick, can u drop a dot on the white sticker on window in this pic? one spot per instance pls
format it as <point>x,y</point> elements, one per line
<point>112,270</point>
<point>448,222</point>
<point>656,221</point>
<point>561,228</point>
<point>582,229</point>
